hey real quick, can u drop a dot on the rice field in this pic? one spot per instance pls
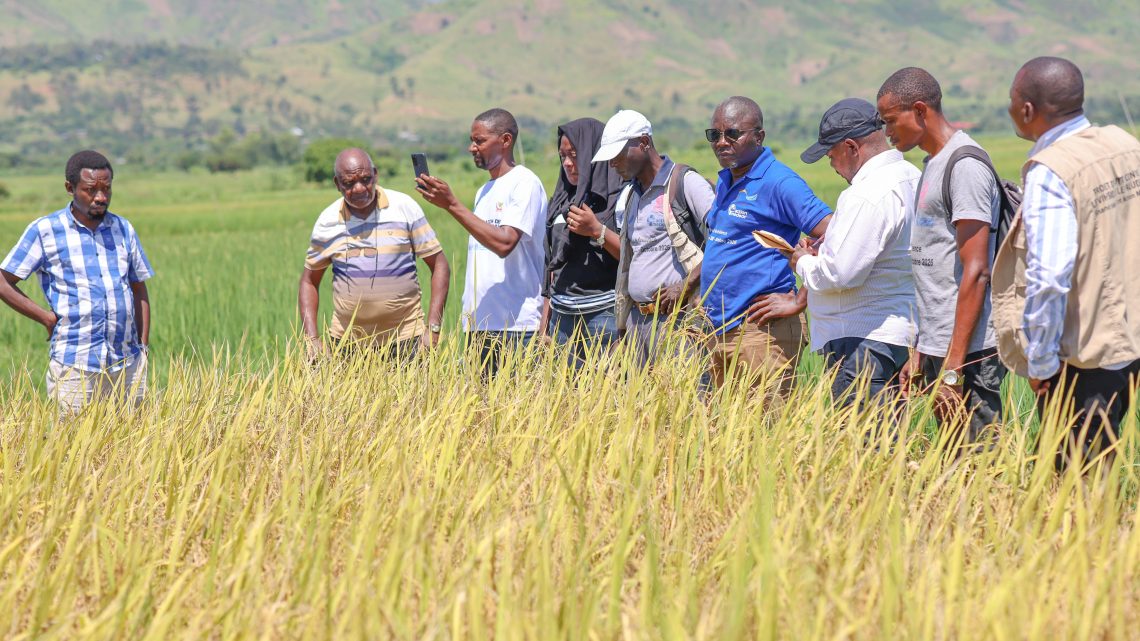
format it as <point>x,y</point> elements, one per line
<point>228,249</point>
<point>256,495</point>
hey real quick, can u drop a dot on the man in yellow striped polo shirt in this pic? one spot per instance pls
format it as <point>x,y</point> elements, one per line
<point>371,237</point>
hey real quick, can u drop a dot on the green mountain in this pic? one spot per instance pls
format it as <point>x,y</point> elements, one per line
<point>155,78</point>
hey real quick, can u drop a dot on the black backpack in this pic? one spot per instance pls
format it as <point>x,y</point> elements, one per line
<point>1009,191</point>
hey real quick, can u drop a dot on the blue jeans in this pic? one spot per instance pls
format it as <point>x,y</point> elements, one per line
<point>580,332</point>
<point>855,357</point>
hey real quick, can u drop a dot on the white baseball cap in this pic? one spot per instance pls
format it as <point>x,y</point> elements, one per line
<point>622,127</point>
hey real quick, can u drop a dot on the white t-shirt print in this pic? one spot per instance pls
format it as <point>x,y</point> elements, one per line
<point>505,294</point>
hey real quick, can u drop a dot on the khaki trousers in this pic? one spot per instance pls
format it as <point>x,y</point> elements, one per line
<point>758,350</point>
<point>73,388</point>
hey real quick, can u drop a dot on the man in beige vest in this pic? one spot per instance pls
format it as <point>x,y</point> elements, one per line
<point>1066,291</point>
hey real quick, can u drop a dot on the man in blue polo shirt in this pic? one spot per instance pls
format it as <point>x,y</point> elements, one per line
<point>748,290</point>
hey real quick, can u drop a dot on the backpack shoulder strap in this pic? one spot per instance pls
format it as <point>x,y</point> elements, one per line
<point>979,154</point>
<point>671,186</point>
<point>678,191</point>
<point>621,206</point>
<point>690,223</point>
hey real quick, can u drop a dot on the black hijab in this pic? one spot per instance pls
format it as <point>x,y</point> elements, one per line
<point>573,265</point>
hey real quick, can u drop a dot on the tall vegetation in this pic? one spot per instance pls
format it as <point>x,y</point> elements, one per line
<point>363,498</point>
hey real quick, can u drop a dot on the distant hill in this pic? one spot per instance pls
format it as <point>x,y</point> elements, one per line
<point>153,77</point>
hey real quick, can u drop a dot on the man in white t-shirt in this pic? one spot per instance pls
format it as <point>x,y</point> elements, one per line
<point>502,297</point>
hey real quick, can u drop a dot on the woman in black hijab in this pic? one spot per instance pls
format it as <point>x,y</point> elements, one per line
<point>581,243</point>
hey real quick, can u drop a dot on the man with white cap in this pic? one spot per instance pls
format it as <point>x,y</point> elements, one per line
<point>661,215</point>
<point>860,288</point>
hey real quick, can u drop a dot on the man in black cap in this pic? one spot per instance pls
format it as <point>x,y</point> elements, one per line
<point>858,277</point>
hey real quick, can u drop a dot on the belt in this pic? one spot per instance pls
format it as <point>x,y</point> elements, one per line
<point>647,309</point>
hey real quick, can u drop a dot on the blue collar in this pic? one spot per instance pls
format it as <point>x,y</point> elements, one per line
<point>755,172</point>
<point>69,216</point>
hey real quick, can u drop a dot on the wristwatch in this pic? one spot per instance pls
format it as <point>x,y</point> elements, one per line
<point>600,241</point>
<point>951,377</point>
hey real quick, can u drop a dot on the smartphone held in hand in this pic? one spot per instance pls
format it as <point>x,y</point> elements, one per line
<point>420,165</point>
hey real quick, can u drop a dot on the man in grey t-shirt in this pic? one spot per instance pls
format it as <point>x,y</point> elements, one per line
<point>952,249</point>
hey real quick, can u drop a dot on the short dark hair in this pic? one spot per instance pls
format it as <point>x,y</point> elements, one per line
<point>913,84</point>
<point>500,121</point>
<point>1055,86</point>
<point>86,159</point>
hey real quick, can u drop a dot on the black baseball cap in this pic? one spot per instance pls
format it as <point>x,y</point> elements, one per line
<point>848,118</point>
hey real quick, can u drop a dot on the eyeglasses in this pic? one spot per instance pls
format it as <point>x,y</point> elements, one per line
<point>731,135</point>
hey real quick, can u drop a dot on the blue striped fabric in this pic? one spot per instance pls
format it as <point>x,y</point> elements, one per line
<point>1050,221</point>
<point>85,276</point>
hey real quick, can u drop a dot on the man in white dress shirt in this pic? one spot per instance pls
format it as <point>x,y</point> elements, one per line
<point>858,278</point>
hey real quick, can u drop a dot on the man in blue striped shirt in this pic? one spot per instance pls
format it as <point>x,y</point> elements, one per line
<point>92,269</point>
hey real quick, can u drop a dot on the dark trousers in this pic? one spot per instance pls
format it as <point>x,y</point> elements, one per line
<point>648,334</point>
<point>853,358</point>
<point>1100,399</point>
<point>493,346</point>
<point>981,388</point>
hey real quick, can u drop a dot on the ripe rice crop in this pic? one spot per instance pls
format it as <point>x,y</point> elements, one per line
<point>364,498</point>
<point>255,495</point>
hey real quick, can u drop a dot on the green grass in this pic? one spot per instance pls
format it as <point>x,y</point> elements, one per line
<point>228,249</point>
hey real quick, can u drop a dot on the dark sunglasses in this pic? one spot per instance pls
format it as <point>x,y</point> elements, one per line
<point>731,135</point>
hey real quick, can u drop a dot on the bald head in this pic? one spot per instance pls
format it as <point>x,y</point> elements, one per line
<point>1054,86</point>
<point>740,109</point>
<point>352,160</point>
